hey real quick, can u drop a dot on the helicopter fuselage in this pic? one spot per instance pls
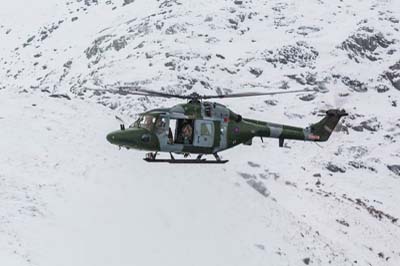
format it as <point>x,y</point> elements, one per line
<point>163,130</point>
<point>207,128</point>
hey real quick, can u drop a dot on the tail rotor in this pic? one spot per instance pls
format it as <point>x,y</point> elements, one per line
<point>122,123</point>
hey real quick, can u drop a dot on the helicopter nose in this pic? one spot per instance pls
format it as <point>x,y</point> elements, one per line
<point>124,137</point>
<point>111,138</point>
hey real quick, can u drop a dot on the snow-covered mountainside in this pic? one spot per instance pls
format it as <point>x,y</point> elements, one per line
<point>67,197</point>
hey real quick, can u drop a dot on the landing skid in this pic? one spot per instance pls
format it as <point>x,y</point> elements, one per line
<point>183,161</point>
<point>151,158</point>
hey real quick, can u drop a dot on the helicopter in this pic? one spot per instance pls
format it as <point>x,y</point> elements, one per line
<point>203,127</point>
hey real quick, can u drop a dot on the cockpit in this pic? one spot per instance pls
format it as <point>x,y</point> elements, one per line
<point>149,122</point>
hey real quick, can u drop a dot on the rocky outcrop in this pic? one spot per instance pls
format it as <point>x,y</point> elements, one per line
<point>364,44</point>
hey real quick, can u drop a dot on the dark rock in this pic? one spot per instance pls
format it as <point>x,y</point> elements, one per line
<point>174,29</point>
<point>311,79</point>
<point>96,49</point>
<point>259,186</point>
<point>364,43</point>
<point>139,46</point>
<point>391,51</point>
<point>343,222</point>
<point>395,168</point>
<point>306,261</point>
<point>119,44</point>
<point>305,30</point>
<point>61,96</point>
<point>254,164</point>
<point>169,3</point>
<point>393,75</point>
<point>292,184</point>
<point>247,176</point>
<point>262,247</point>
<point>30,39</point>
<point>271,102</point>
<point>335,169</point>
<point>298,79</point>
<point>171,65</point>
<point>284,85</point>
<point>371,125</point>
<point>232,72</point>
<point>372,210</point>
<point>68,64</point>
<point>256,71</point>
<point>358,128</point>
<point>91,2</point>
<point>301,54</point>
<point>127,2</point>
<point>381,88</point>
<point>394,20</point>
<point>361,165</point>
<point>308,97</point>
<point>354,84</point>
<point>232,21</point>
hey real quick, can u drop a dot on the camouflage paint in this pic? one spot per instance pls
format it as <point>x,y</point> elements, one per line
<point>230,129</point>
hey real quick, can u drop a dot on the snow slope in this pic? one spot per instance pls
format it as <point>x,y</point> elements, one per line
<point>67,197</point>
<point>70,198</point>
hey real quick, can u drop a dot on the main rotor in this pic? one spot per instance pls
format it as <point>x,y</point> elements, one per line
<point>193,97</point>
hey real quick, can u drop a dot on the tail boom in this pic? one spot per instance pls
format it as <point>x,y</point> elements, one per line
<point>320,131</point>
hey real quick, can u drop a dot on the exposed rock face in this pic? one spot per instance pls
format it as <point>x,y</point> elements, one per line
<point>259,186</point>
<point>364,43</point>
<point>308,97</point>
<point>354,84</point>
<point>127,2</point>
<point>301,55</point>
<point>395,168</point>
<point>394,75</point>
<point>381,88</point>
<point>335,169</point>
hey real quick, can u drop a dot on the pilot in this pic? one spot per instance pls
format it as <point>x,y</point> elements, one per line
<point>148,122</point>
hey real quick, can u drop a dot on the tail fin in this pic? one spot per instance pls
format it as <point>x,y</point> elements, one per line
<point>324,128</point>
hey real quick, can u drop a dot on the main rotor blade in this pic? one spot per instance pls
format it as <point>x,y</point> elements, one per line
<point>125,90</point>
<point>146,92</point>
<point>250,94</point>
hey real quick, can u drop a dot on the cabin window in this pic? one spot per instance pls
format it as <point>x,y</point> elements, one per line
<point>205,129</point>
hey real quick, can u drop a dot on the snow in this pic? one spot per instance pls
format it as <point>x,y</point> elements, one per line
<point>86,203</point>
<point>67,197</point>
